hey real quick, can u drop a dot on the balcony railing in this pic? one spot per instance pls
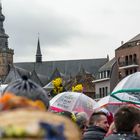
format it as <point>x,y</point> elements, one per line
<point>128,63</point>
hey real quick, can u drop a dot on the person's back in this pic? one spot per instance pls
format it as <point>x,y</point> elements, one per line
<point>122,136</point>
<point>98,127</point>
<point>127,124</point>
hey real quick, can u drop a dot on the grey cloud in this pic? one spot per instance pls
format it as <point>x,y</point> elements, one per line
<point>54,30</point>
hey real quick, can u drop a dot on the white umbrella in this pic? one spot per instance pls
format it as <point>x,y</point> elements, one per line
<point>72,102</point>
<point>128,89</point>
<point>111,103</point>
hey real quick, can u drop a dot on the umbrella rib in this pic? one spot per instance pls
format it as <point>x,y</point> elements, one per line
<point>125,90</point>
<point>77,100</point>
<point>124,100</point>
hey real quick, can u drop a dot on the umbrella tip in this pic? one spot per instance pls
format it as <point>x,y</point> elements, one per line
<point>24,77</point>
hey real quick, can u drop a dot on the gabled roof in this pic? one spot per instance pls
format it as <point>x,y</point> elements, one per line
<point>136,38</point>
<point>43,78</point>
<point>108,65</point>
<point>67,67</point>
<point>129,43</point>
<point>81,71</point>
<point>35,78</point>
<point>55,74</point>
<point>12,75</point>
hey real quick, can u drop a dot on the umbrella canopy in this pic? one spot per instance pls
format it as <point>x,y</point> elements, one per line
<point>128,90</point>
<point>107,100</point>
<point>72,102</point>
<point>29,89</point>
<point>110,103</point>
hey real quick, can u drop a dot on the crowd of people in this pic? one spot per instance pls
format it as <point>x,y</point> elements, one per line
<point>125,125</point>
<point>102,124</point>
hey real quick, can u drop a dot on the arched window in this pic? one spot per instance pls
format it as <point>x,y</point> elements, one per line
<point>130,59</point>
<point>126,60</point>
<point>135,59</point>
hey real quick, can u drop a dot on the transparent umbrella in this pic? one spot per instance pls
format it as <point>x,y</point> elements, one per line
<point>111,104</point>
<point>128,89</point>
<point>72,102</point>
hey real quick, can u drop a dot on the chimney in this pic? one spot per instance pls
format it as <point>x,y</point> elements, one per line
<point>122,42</point>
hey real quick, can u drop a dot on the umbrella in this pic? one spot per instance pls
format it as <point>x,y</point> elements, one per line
<point>128,89</point>
<point>72,102</point>
<point>29,89</point>
<point>110,103</point>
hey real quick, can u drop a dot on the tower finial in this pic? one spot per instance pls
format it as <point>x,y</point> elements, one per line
<point>38,52</point>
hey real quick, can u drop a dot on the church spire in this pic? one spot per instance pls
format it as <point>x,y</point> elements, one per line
<point>38,53</point>
<point>2,18</point>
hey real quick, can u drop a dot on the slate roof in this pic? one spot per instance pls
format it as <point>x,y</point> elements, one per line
<point>136,38</point>
<point>67,67</point>
<point>130,42</point>
<point>15,73</point>
<point>108,65</point>
<point>35,78</point>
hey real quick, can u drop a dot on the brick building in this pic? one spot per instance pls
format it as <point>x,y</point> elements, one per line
<point>128,57</point>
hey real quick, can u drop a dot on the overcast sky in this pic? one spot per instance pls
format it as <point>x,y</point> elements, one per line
<point>69,29</point>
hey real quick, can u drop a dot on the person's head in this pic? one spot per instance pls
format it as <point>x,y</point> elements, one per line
<point>68,114</point>
<point>81,120</point>
<point>108,114</point>
<point>127,119</point>
<point>99,119</point>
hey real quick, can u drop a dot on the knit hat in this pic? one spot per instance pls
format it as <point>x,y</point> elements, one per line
<point>29,89</point>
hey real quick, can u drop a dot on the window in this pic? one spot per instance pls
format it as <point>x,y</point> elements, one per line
<point>131,71</point>
<point>103,91</point>
<point>126,60</point>
<point>104,74</point>
<point>130,59</point>
<point>100,92</point>
<point>106,90</point>
<point>126,72</point>
<point>135,59</point>
<point>108,73</point>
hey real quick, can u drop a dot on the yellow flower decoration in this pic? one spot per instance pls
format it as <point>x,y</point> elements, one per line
<point>73,117</point>
<point>57,82</point>
<point>58,88</point>
<point>77,88</point>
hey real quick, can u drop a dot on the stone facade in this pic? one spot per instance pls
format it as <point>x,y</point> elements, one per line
<point>6,58</point>
<point>6,54</point>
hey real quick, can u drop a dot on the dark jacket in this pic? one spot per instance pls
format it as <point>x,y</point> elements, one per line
<point>122,136</point>
<point>94,133</point>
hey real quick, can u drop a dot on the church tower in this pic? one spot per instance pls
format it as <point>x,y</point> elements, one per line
<point>6,54</point>
<point>38,53</point>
